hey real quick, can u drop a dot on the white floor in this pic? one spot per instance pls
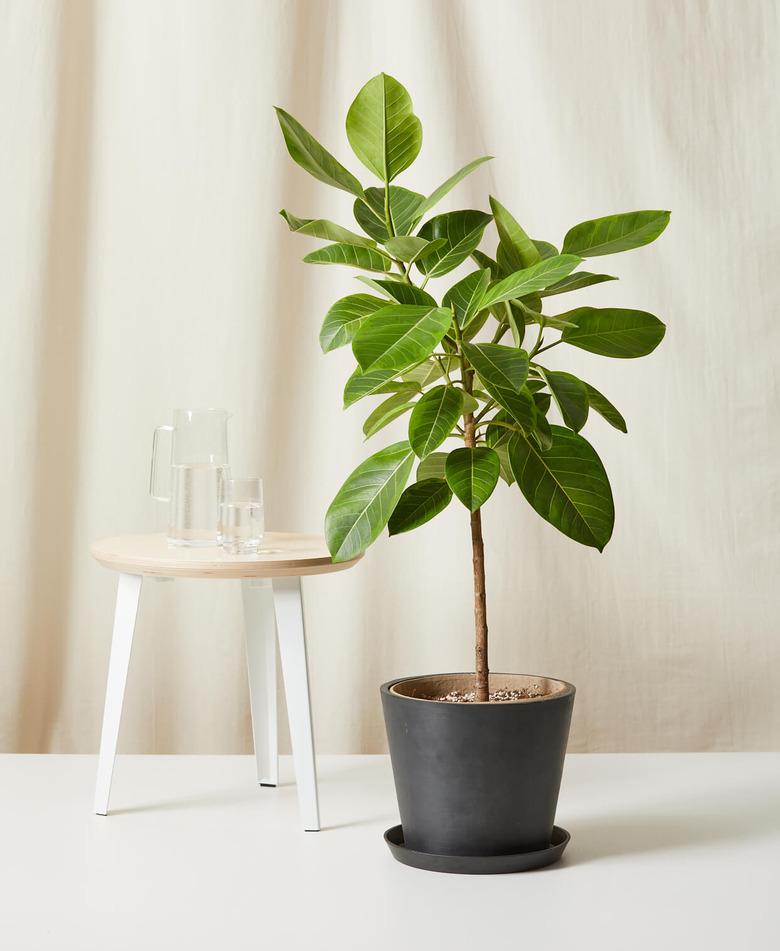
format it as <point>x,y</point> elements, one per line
<point>667,852</point>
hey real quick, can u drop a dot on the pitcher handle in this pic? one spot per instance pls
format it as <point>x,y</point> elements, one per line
<point>154,473</point>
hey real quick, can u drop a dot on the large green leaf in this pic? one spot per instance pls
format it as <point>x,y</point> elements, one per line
<point>424,373</point>
<point>370,259</point>
<point>613,331</point>
<point>574,282</point>
<point>498,366</point>
<point>604,408</point>
<point>364,503</point>
<point>520,405</point>
<point>366,384</point>
<point>400,336</point>
<point>396,290</point>
<point>432,467</point>
<point>345,316</point>
<point>310,155</point>
<point>472,474</point>
<point>420,502</point>
<point>409,248</point>
<point>404,211</point>
<point>545,249</point>
<point>322,228</point>
<point>531,279</point>
<point>516,251</point>
<point>462,231</point>
<point>433,417</point>
<point>382,128</point>
<point>615,233</point>
<point>436,196</point>
<point>465,297</point>
<point>571,397</point>
<point>388,410</point>
<point>566,485</point>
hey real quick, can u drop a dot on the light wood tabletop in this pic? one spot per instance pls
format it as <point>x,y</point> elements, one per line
<point>283,555</point>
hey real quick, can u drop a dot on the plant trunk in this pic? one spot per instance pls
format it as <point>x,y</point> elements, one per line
<point>481,689</point>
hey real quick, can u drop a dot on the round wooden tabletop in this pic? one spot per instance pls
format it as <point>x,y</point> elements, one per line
<point>283,554</point>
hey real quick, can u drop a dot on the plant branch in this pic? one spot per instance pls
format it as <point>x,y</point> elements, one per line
<point>548,347</point>
<point>481,680</point>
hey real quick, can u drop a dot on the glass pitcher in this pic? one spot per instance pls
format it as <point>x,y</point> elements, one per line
<point>198,461</point>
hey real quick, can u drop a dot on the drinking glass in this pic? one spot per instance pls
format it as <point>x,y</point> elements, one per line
<point>241,515</point>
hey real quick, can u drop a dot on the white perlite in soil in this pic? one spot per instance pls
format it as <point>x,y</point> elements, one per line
<point>502,695</point>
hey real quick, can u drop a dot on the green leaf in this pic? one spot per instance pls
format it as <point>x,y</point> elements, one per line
<point>310,155</point>
<point>516,320</point>
<point>409,248</point>
<point>604,408</point>
<point>432,467</point>
<point>343,319</point>
<point>370,259</point>
<point>464,297</point>
<point>436,196</point>
<point>499,367</point>
<point>389,409</point>
<point>615,233</point>
<point>571,397</point>
<point>400,336</point>
<point>470,403</point>
<point>500,377</point>
<point>462,231</point>
<point>502,451</point>
<point>433,417</point>
<point>535,278</point>
<point>542,431</point>
<point>404,207</point>
<point>424,373</point>
<point>322,228</point>
<point>363,504</point>
<point>472,474</point>
<point>574,282</point>
<point>420,502</point>
<point>495,436</point>
<point>484,261</point>
<point>613,331</point>
<point>382,128</point>
<point>366,384</point>
<point>516,251</point>
<point>394,290</point>
<point>566,485</point>
<point>545,249</point>
<point>520,405</point>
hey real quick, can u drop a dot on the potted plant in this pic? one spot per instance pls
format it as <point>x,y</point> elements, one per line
<point>477,758</point>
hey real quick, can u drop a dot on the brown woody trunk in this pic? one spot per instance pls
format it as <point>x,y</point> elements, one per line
<point>481,690</point>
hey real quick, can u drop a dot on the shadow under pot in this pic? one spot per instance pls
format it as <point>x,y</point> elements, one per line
<point>477,783</point>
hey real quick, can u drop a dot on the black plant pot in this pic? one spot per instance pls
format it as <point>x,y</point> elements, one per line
<point>477,783</point>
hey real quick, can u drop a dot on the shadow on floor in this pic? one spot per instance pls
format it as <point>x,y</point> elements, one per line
<point>690,827</point>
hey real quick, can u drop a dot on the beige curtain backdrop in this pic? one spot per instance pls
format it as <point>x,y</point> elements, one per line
<point>143,266</point>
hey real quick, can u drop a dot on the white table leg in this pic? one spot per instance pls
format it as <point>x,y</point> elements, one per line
<point>260,627</point>
<point>127,596</point>
<point>292,650</point>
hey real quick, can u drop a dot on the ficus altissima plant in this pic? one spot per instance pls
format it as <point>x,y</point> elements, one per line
<point>466,367</point>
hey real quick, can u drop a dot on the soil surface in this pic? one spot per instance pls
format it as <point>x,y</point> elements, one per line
<point>496,696</point>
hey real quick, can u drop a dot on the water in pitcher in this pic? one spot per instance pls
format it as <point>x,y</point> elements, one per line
<point>194,513</point>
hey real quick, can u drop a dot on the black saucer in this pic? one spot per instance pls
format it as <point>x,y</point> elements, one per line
<point>477,864</point>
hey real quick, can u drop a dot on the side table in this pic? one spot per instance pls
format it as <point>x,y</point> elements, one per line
<point>273,608</point>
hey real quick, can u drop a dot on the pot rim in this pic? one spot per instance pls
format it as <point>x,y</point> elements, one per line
<point>567,691</point>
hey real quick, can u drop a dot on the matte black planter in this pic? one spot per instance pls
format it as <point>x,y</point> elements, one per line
<point>476,779</point>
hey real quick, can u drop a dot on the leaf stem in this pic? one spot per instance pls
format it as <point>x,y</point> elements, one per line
<point>548,347</point>
<point>538,339</point>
